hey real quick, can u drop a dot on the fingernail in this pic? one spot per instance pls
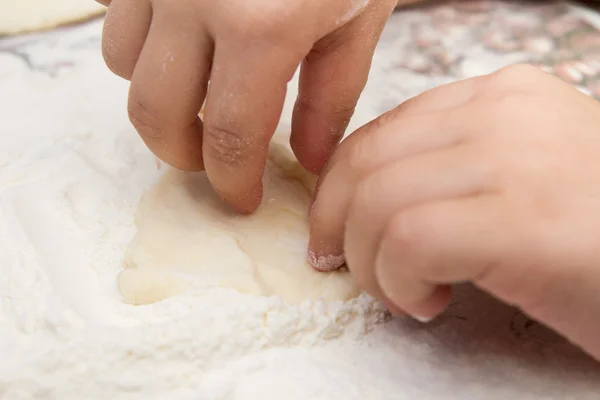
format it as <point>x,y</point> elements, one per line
<point>389,280</point>
<point>325,263</point>
<point>422,319</point>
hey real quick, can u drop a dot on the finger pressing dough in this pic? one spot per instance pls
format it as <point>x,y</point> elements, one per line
<point>20,16</point>
<point>188,239</point>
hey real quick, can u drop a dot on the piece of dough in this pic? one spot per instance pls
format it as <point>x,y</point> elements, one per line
<point>188,239</point>
<point>21,16</point>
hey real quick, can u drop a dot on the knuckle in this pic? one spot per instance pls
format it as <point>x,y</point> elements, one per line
<point>343,111</point>
<point>413,234</point>
<point>493,170</point>
<point>357,155</point>
<point>225,146</point>
<point>340,109</point>
<point>264,21</point>
<point>516,76</point>
<point>503,103</point>
<point>269,21</point>
<point>516,71</point>
<point>403,230</point>
<point>415,237</point>
<point>144,118</point>
<point>336,116</point>
<point>385,120</point>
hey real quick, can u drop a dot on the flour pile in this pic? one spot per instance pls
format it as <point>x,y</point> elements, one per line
<point>70,182</point>
<point>72,172</point>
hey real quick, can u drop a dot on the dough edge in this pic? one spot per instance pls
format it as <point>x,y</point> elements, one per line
<point>29,16</point>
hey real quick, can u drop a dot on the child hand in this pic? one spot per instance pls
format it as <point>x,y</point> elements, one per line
<point>493,180</point>
<point>249,50</point>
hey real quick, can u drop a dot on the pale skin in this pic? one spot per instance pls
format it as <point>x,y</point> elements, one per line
<point>493,180</point>
<point>249,51</point>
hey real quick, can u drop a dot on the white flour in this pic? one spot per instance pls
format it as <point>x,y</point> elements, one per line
<point>71,173</point>
<point>66,213</point>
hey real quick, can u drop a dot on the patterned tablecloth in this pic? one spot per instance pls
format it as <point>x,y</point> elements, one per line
<point>420,48</point>
<point>425,47</point>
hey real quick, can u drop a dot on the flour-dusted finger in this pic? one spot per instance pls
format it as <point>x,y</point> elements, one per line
<point>168,88</point>
<point>125,29</point>
<point>243,108</point>
<point>332,77</point>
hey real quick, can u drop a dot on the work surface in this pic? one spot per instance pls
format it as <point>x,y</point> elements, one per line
<point>72,171</point>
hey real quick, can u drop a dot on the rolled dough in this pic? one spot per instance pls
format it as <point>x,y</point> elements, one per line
<point>21,16</point>
<point>188,239</point>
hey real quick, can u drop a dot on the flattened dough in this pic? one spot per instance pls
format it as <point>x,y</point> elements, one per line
<point>188,239</point>
<point>20,16</point>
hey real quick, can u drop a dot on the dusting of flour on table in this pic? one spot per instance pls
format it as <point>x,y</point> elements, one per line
<point>72,172</point>
<point>70,181</point>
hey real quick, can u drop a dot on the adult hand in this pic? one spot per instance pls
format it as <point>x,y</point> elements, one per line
<point>248,50</point>
<point>493,180</point>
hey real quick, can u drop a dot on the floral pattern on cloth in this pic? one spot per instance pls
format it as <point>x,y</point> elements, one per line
<point>423,47</point>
